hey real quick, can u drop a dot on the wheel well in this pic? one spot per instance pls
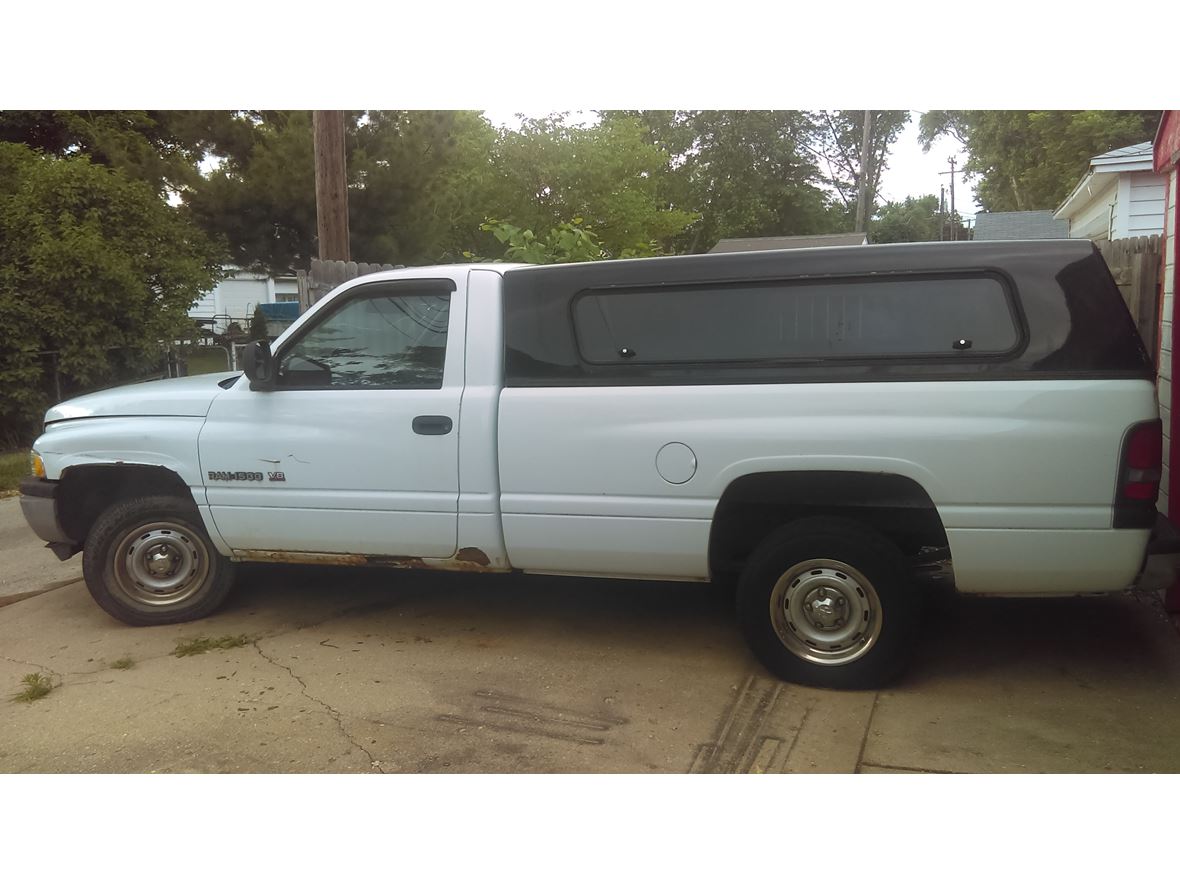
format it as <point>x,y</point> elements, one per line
<point>88,490</point>
<point>754,505</point>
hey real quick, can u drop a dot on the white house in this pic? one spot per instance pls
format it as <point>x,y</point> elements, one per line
<point>235,297</point>
<point>1120,196</point>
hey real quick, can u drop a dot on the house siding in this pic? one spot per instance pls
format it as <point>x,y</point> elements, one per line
<point>236,297</point>
<point>1145,214</point>
<point>1092,221</point>
<point>1164,386</point>
<point>205,306</point>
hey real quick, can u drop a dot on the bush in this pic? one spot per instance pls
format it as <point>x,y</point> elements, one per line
<point>258,326</point>
<point>94,267</point>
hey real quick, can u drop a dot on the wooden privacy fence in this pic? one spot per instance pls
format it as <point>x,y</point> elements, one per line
<point>325,276</point>
<point>1135,264</point>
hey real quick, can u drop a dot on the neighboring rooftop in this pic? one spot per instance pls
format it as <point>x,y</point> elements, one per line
<point>1104,169</point>
<point>761,244</point>
<point>1132,152</point>
<point>1038,224</point>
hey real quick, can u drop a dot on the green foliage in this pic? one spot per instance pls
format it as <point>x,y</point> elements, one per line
<point>608,174</point>
<point>915,220</point>
<point>200,645</point>
<point>261,202</point>
<point>160,148</point>
<point>258,326</point>
<point>36,686</point>
<point>14,466</point>
<point>93,266</point>
<point>1033,159</point>
<point>419,184</point>
<point>839,137</point>
<point>741,173</point>
<point>564,244</point>
<point>206,360</point>
<point>125,663</point>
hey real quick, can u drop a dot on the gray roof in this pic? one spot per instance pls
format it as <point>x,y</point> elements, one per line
<point>1125,153</point>
<point>759,244</point>
<point>1036,225</point>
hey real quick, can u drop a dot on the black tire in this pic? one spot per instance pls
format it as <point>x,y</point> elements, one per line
<point>825,562</point>
<point>133,537</point>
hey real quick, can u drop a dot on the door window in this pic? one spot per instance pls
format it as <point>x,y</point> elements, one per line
<point>373,341</point>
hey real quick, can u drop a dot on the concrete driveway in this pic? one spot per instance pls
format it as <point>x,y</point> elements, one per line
<point>367,670</point>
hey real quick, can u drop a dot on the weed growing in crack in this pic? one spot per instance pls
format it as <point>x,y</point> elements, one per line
<point>123,664</point>
<point>37,685</point>
<point>202,644</point>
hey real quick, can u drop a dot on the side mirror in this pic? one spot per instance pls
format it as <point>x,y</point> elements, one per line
<point>259,365</point>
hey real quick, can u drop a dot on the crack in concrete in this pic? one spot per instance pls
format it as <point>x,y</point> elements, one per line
<point>905,768</point>
<point>332,711</point>
<point>864,740</point>
<point>60,677</point>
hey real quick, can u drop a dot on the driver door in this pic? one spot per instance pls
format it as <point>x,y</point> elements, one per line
<point>356,449</point>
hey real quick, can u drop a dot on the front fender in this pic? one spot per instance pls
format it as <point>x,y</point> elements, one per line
<point>168,442</point>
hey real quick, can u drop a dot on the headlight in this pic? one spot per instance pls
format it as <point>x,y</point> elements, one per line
<point>37,465</point>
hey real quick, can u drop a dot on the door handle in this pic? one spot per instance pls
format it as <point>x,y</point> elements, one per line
<point>432,425</point>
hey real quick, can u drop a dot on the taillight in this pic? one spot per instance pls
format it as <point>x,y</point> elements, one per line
<point>1139,476</point>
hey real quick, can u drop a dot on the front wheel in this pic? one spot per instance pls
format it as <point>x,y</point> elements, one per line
<point>150,561</point>
<point>824,601</point>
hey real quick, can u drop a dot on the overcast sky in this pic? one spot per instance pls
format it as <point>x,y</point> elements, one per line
<point>910,171</point>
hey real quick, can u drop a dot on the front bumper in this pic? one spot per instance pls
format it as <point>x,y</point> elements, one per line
<point>38,502</point>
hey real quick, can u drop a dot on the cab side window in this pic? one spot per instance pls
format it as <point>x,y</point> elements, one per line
<point>373,341</point>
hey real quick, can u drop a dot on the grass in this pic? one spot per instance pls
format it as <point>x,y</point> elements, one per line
<point>37,685</point>
<point>202,644</point>
<point>123,664</point>
<point>14,466</point>
<point>207,361</point>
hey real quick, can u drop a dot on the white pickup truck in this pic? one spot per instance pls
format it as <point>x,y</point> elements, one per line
<point>814,423</point>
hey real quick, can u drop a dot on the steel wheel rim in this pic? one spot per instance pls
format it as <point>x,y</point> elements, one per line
<point>160,563</point>
<point>825,611</point>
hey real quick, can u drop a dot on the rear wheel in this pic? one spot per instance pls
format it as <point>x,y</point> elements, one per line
<point>824,601</point>
<point>150,561</point>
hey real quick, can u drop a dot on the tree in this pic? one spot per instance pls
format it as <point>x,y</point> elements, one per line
<point>163,149</point>
<point>95,267</point>
<point>567,243</point>
<point>1033,159</point>
<point>744,173</point>
<point>423,182</point>
<point>608,174</point>
<point>839,135</point>
<point>915,220</point>
<point>419,184</point>
<point>261,201</point>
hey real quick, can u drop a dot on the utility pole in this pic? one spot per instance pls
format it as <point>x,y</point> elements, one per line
<point>941,210</point>
<point>331,185</point>
<point>862,197</point>
<point>954,224</point>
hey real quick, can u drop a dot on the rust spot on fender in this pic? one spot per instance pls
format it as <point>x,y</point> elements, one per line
<point>473,554</point>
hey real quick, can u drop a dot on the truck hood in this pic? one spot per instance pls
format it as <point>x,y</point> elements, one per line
<point>185,397</point>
